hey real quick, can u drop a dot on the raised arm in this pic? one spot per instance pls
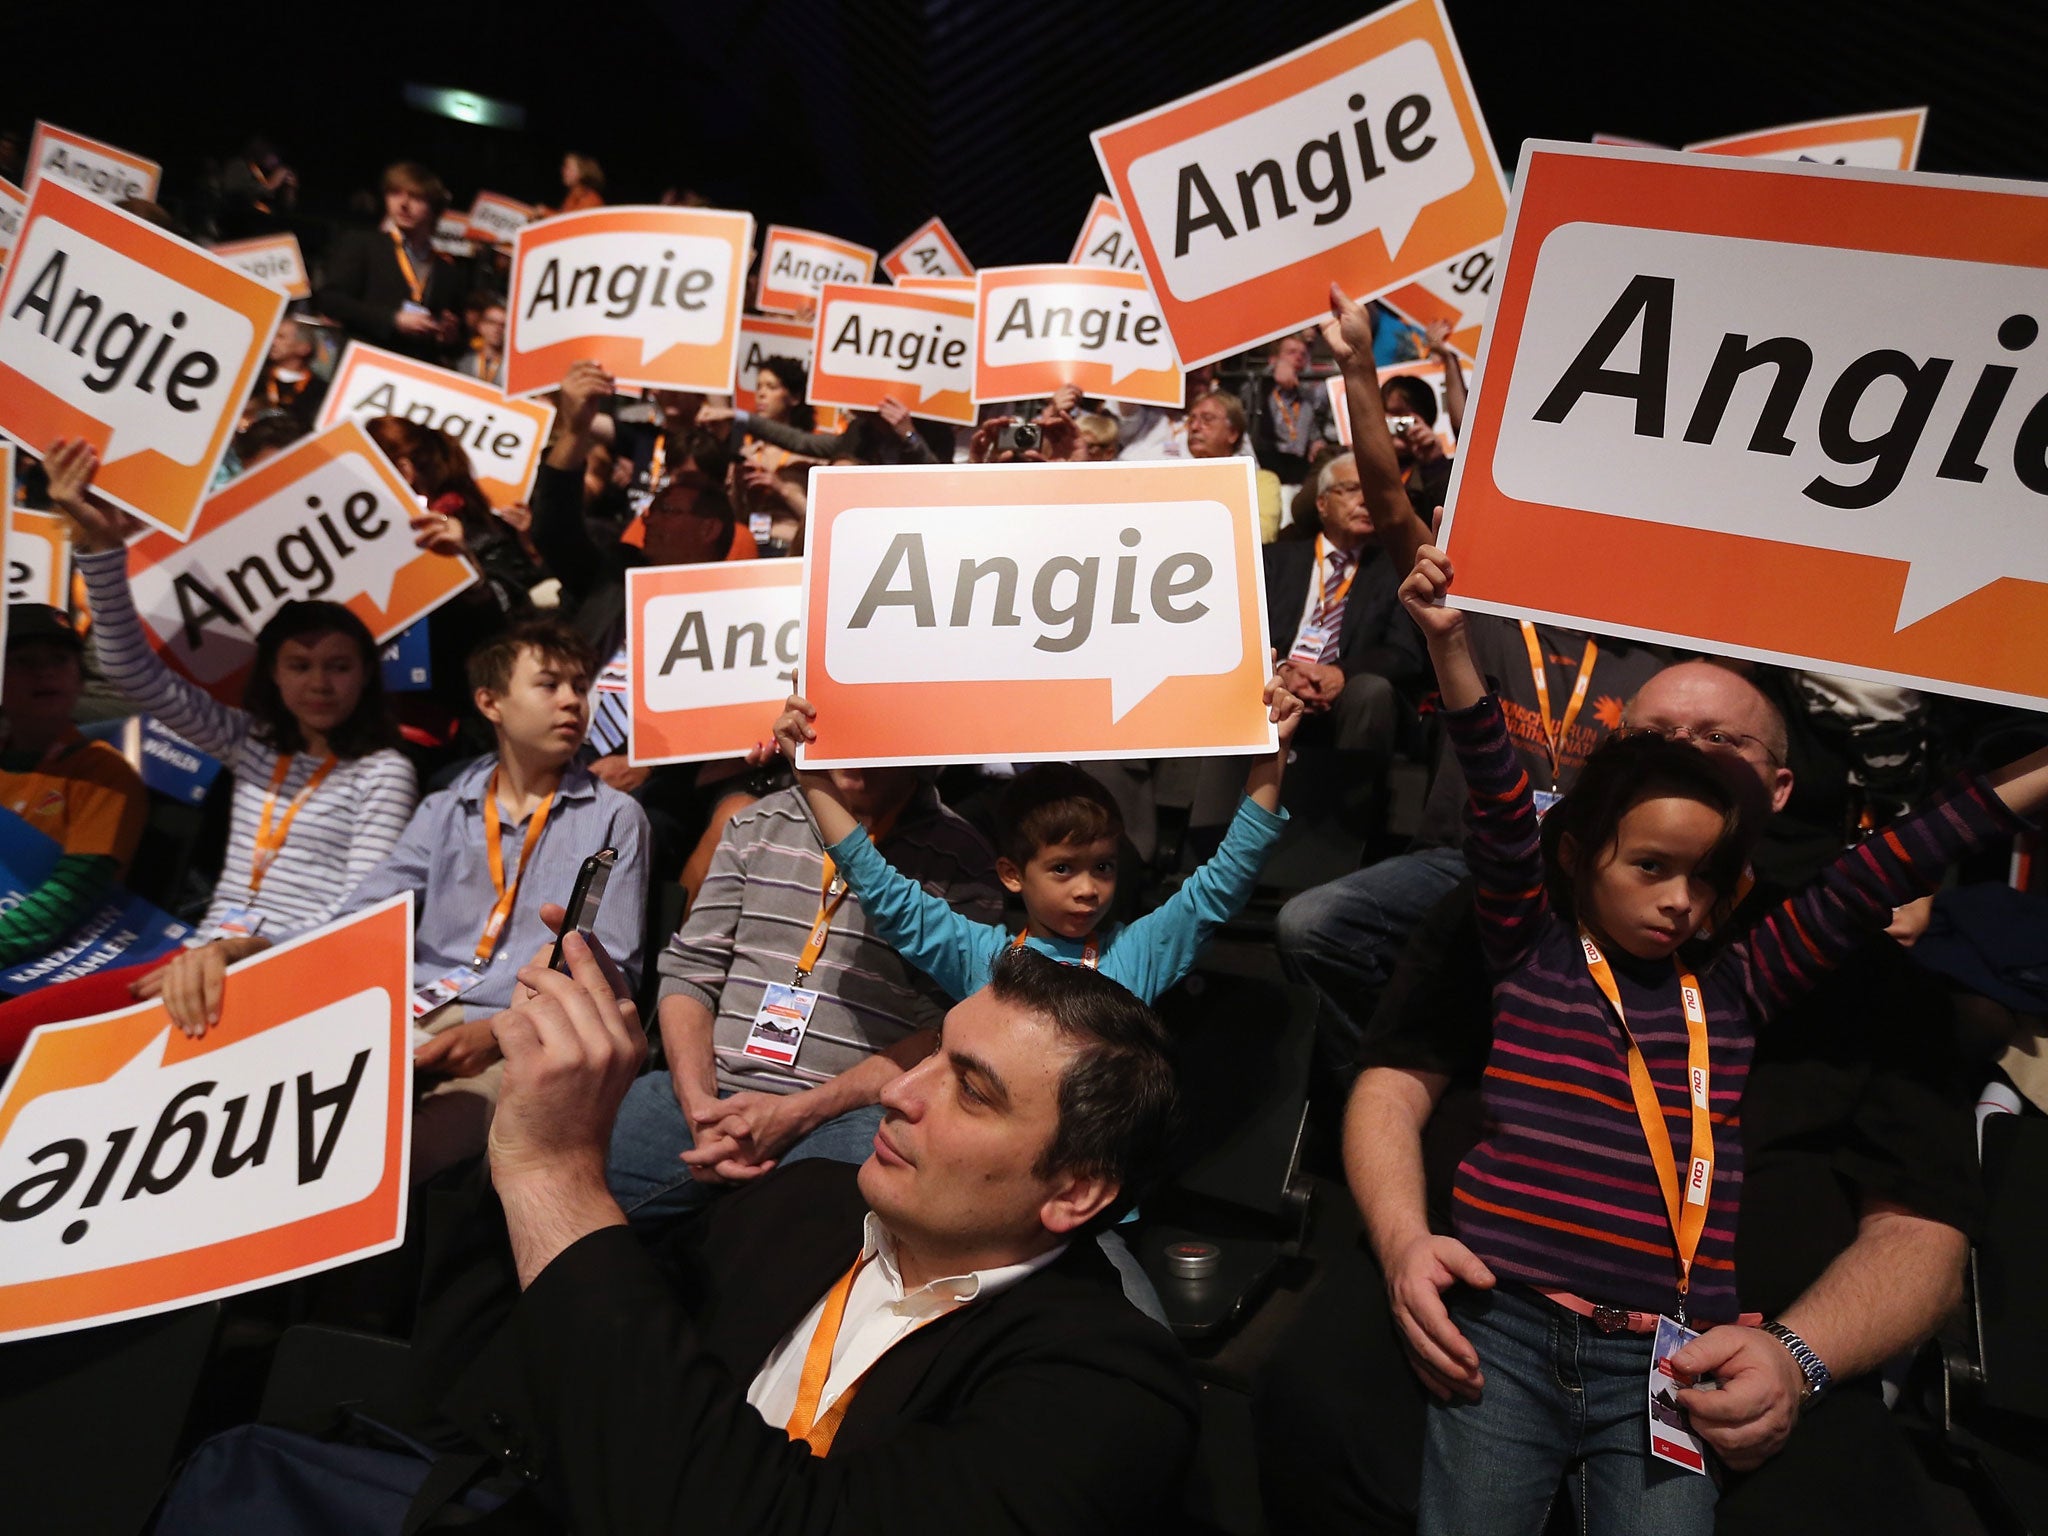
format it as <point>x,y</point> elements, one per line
<point>557,502</point>
<point>1454,374</point>
<point>1348,333</point>
<point>124,651</point>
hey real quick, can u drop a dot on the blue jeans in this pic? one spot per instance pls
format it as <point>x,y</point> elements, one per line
<point>645,1168</point>
<point>1561,1399</point>
<point>1345,938</point>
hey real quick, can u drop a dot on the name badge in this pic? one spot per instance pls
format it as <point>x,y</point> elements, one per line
<point>1671,1436</point>
<point>1308,644</point>
<point>444,989</point>
<point>413,307</point>
<point>761,525</point>
<point>1545,799</point>
<point>235,923</point>
<point>777,1033</point>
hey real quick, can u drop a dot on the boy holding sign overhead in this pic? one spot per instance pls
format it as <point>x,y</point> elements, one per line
<point>1059,854</point>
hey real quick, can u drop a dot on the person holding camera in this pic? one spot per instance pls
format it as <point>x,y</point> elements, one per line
<point>1292,427</point>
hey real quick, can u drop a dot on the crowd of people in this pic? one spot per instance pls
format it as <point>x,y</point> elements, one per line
<point>928,992</point>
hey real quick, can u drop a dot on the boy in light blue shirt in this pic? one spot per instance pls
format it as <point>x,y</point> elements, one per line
<point>1059,854</point>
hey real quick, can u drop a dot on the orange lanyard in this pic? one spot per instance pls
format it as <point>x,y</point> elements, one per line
<point>1330,599</point>
<point>413,280</point>
<point>831,894</point>
<point>1689,1214</point>
<point>269,840</point>
<point>805,1422</point>
<point>273,384</point>
<point>494,925</point>
<point>1554,735</point>
<point>1290,419</point>
<point>1088,947</point>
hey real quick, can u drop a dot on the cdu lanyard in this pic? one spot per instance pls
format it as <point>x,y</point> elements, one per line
<point>1688,1217</point>
<point>269,840</point>
<point>805,1422</point>
<point>1332,600</point>
<point>830,895</point>
<point>1089,950</point>
<point>1554,735</point>
<point>413,280</point>
<point>494,853</point>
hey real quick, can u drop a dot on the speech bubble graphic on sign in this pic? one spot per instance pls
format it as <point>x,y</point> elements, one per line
<point>114,331</point>
<point>1038,328</point>
<point>1793,412</point>
<point>90,166</point>
<point>141,1170</point>
<point>653,294</point>
<point>497,218</point>
<point>796,263</point>
<point>1360,158</point>
<point>1879,141</point>
<point>1105,239</point>
<point>1028,611</point>
<point>273,259</point>
<point>711,651</point>
<point>1458,293</point>
<point>928,251</point>
<point>13,204</point>
<point>327,518</point>
<point>502,438</point>
<point>918,347</point>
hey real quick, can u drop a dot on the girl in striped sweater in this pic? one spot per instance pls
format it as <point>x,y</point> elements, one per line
<point>1603,1191</point>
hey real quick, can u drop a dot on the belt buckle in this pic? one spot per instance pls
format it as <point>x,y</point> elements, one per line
<point>1610,1319</point>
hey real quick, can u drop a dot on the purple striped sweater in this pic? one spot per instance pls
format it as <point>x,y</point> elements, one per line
<point>1560,1192</point>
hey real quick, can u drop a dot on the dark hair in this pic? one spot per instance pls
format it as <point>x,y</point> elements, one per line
<point>710,450</point>
<point>1421,398</point>
<point>689,494</point>
<point>1054,803</point>
<point>1622,769</point>
<point>1116,1097</point>
<point>491,664</point>
<point>790,374</point>
<point>414,177</point>
<point>441,466</point>
<point>268,429</point>
<point>367,729</point>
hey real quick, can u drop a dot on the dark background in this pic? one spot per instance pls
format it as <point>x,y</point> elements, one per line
<point>861,117</point>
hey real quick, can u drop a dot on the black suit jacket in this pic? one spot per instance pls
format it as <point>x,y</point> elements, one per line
<point>618,1383</point>
<point>1376,636</point>
<point>362,286</point>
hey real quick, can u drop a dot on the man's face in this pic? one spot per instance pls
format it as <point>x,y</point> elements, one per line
<point>678,533</point>
<point>408,210</point>
<point>1290,357</point>
<point>953,1166</point>
<point>1210,434</point>
<point>292,347</point>
<point>1066,887</point>
<point>1341,506</point>
<point>490,326</point>
<point>42,683</point>
<point>1718,712</point>
<point>544,709</point>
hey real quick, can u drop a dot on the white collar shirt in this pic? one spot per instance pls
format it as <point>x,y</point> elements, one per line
<point>878,1317</point>
<point>1321,578</point>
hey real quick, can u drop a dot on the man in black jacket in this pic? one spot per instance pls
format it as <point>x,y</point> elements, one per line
<point>927,1343</point>
<point>389,285</point>
<point>1346,649</point>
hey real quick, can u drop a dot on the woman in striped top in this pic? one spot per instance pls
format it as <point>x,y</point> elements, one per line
<point>321,792</point>
<point>1603,1189</point>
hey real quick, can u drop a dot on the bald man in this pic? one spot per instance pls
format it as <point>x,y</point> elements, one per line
<point>1860,1188</point>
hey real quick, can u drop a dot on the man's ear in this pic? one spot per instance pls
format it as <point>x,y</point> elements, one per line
<point>1011,876</point>
<point>1078,1200</point>
<point>486,703</point>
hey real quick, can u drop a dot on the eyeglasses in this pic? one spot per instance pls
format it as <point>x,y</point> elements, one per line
<point>1711,739</point>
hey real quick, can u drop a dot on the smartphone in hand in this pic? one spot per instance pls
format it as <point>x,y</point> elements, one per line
<point>585,898</point>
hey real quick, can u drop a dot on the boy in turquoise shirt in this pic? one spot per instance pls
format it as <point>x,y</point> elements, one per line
<point>1059,854</point>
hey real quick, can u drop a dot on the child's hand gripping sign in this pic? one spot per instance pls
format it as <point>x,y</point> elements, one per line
<point>1030,611</point>
<point>144,345</point>
<point>652,294</point>
<point>1361,157</point>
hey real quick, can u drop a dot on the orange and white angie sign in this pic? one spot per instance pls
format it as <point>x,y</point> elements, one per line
<point>114,331</point>
<point>13,204</point>
<point>916,347</point>
<point>654,294</point>
<point>1361,159</point>
<point>502,438</point>
<point>274,259</point>
<point>1032,611</point>
<point>1878,141</point>
<point>38,552</point>
<point>141,1170</point>
<point>711,650</point>
<point>1105,239</point>
<point>928,251</point>
<point>1455,292</point>
<point>796,263</point>
<point>1792,412</point>
<point>91,166</point>
<point>327,518</point>
<point>1041,327</point>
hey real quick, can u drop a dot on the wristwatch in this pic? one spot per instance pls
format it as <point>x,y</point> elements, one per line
<point>1811,1366</point>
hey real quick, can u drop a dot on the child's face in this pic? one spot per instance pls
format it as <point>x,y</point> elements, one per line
<point>1067,887</point>
<point>1646,896</point>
